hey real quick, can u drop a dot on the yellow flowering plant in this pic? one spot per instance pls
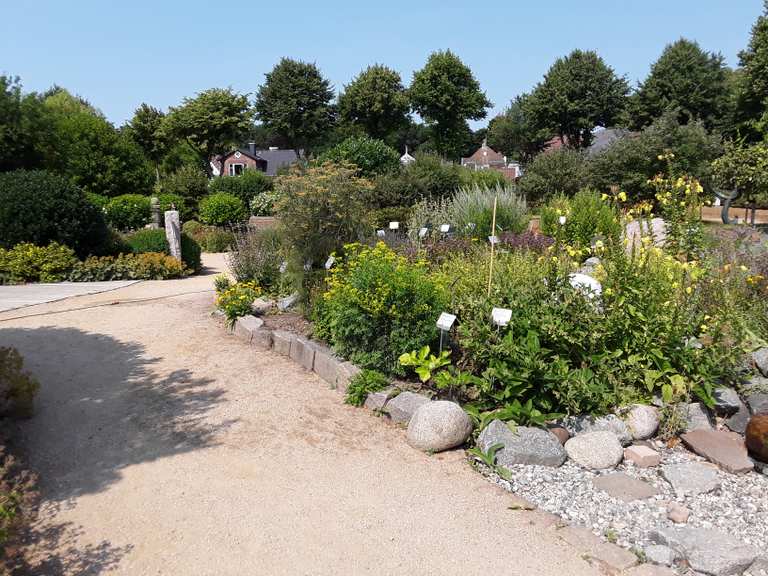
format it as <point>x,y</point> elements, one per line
<point>236,300</point>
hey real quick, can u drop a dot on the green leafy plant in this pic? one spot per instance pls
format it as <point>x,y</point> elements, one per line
<point>588,218</point>
<point>29,263</point>
<point>248,186</point>
<point>210,238</point>
<point>237,301</point>
<point>128,211</point>
<point>488,458</point>
<point>364,383</point>
<point>221,209</point>
<point>424,363</point>
<point>154,240</point>
<point>257,255</point>
<point>221,282</point>
<point>145,266</point>
<point>371,156</point>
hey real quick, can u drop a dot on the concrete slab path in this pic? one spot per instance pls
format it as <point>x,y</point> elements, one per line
<point>19,296</point>
<point>167,446</point>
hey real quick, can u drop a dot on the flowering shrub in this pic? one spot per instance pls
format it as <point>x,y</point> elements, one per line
<point>29,263</point>
<point>526,241</point>
<point>378,305</point>
<point>236,300</point>
<point>588,217</point>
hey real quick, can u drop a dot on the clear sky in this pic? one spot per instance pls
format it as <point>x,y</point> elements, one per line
<point>119,54</point>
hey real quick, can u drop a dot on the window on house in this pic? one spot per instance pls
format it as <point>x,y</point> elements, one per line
<point>236,169</point>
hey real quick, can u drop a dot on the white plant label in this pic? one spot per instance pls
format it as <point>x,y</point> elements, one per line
<point>501,316</point>
<point>445,321</point>
<point>394,225</point>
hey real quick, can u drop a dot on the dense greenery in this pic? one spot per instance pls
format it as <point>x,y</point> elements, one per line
<point>128,212</point>
<point>247,186</point>
<point>221,209</point>
<point>372,157</point>
<point>146,241</point>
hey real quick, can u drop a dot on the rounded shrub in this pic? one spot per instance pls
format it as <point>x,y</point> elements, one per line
<point>40,207</point>
<point>188,181</point>
<point>98,200</point>
<point>175,202</point>
<point>154,240</point>
<point>247,186</point>
<point>221,209</point>
<point>371,156</point>
<point>128,211</point>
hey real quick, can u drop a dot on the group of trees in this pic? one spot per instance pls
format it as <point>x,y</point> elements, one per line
<point>581,92</point>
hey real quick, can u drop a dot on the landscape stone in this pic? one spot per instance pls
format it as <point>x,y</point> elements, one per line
<point>287,302</point>
<point>642,456</point>
<point>438,426</point>
<point>245,326</point>
<point>757,437</point>
<point>691,478</point>
<point>595,450</point>
<point>660,554</point>
<point>561,433</point>
<point>738,422</point>
<point>726,449</point>
<point>636,229</point>
<point>708,551</point>
<point>623,487</point>
<point>759,567</point>
<point>614,558</point>
<point>344,373</point>
<point>303,352</point>
<point>282,341</point>
<point>649,570</point>
<point>326,364</point>
<point>698,417</point>
<point>756,393</point>
<point>524,445</point>
<point>760,358</point>
<point>678,513</point>
<point>262,305</point>
<point>377,400</point>
<point>262,338</point>
<point>402,407</point>
<point>642,421</point>
<point>727,401</point>
<point>611,423</point>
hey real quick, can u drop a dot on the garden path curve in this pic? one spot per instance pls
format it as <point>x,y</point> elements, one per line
<point>166,446</point>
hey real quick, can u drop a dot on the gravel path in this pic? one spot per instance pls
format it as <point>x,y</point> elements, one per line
<point>167,447</point>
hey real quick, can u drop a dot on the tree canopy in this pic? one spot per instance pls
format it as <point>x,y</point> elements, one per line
<point>578,93</point>
<point>376,101</point>
<point>687,79</point>
<point>295,103</point>
<point>146,130</point>
<point>446,94</point>
<point>512,133</point>
<point>752,114</point>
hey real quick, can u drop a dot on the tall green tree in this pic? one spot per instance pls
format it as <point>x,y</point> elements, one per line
<point>295,103</point>
<point>211,123</point>
<point>376,101</point>
<point>87,149</point>
<point>25,130</point>
<point>687,79</point>
<point>752,113</point>
<point>146,130</point>
<point>512,134</point>
<point>578,93</point>
<point>446,95</point>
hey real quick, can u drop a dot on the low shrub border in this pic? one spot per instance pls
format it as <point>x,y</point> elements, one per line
<point>337,372</point>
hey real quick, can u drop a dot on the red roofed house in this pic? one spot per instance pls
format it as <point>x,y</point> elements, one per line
<point>486,158</point>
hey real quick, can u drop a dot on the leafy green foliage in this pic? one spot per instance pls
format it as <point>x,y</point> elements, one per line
<point>210,123</point>
<point>40,207</point>
<point>376,101</point>
<point>364,383</point>
<point>175,202</point>
<point>424,363</point>
<point>752,114</point>
<point>17,389</point>
<point>29,263</point>
<point>236,301</point>
<point>513,134</point>
<point>128,212</point>
<point>247,186</point>
<point>371,156</point>
<point>446,94</point>
<point>378,306</point>
<point>744,168</point>
<point>221,209</point>
<point>562,171</point>
<point>256,255</point>
<point>295,103</point>
<point>579,92</point>
<point>427,178</point>
<point>189,182</point>
<point>145,266</point>
<point>588,219</point>
<point>210,238</point>
<point>687,80</point>
<point>148,240</point>
<point>26,130</point>
<point>145,129</point>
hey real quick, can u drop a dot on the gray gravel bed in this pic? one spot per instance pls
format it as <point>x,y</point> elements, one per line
<point>739,507</point>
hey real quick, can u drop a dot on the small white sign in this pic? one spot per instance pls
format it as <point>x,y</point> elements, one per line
<point>471,225</point>
<point>561,220</point>
<point>445,321</point>
<point>308,265</point>
<point>423,232</point>
<point>381,233</point>
<point>283,266</point>
<point>501,316</point>
<point>394,225</point>
<point>444,228</point>
<point>329,263</point>
<point>493,239</point>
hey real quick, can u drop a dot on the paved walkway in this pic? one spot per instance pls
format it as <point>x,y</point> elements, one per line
<point>12,297</point>
<point>166,446</point>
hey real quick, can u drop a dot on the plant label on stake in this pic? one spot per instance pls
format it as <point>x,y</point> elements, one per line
<point>501,316</point>
<point>380,233</point>
<point>493,239</point>
<point>445,228</point>
<point>283,267</point>
<point>308,265</point>
<point>562,220</point>
<point>329,263</point>
<point>394,225</point>
<point>423,232</point>
<point>445,321</point>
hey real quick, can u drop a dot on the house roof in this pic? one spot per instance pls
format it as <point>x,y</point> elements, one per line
<point>484,155</point>
<point>604,138</point>
<point>275,159</point>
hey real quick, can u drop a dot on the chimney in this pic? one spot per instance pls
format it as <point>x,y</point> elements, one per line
<point>252,148</point>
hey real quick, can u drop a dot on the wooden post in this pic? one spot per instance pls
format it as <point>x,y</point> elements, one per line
<point>493,245</point>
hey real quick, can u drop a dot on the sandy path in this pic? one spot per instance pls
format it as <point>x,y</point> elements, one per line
<point>166,446</point>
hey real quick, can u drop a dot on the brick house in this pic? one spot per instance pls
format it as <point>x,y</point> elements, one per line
<point>268,161</point>
<point>486,158</point>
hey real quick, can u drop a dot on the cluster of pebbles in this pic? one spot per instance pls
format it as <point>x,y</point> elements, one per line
<point>738,506</point>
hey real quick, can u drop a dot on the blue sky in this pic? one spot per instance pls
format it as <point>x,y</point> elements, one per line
<point>119,54</point>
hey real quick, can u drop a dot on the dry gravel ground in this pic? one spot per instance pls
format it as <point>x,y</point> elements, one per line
<point>166,446</point>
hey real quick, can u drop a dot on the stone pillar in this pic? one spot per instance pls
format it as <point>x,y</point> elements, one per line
<point>154,204</point>
<point>173,232</point>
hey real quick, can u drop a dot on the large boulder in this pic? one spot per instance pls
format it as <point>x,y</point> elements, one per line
<point>595,450</point>
<point>756,393</point>
<point>757,437</point>
<point>726,449</point>
<point>438,426</point>
<point>636,229</point>
<point>697,417</point>
<point>727,401</point>
<point>760,358</point>
<point>402,407</point>
<point>610,423</point>
<point>523,445</point>
<point>708,551</point>
<point>738,421</point>
<point>642,421</point>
